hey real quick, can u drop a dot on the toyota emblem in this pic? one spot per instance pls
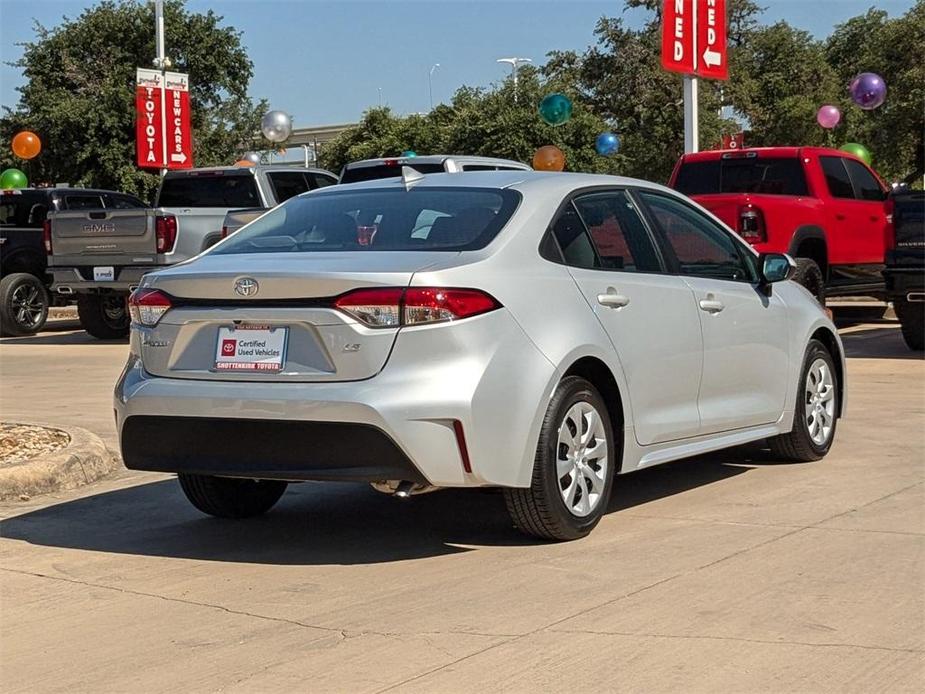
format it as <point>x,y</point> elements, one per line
<point>246,286</point>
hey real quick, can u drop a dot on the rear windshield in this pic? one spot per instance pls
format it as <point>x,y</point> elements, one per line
<point>372,173</point>
<point>423,219</point>
<point>209,190</point>
<point>23,210</point>
<point>764,175</point>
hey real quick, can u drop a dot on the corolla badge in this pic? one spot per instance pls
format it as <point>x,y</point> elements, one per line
<point>246,286</point>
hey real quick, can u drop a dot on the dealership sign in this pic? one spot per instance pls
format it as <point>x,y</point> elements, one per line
<point>694,38</point>
<point>163,136</point>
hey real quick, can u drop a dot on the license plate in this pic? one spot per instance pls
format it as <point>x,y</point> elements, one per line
<point>251,348</point>
<point>104,274</point>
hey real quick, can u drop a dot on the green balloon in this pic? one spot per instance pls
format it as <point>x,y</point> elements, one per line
<point>555,109</point>
<point>858,150</point>
<point>13,178</point>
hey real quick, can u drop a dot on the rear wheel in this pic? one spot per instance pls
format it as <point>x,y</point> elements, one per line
<point>104,316</point>
<point>23,305</point>
<point>573,469</point>
<point>810,276</point>
<point>911,315</point>
<point>227,497</point>
<point>815,412</point>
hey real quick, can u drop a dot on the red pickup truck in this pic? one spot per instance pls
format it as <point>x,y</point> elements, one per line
<point>824,207</point>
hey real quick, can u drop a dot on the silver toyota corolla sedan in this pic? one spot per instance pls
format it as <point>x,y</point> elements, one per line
<point>538,332</point>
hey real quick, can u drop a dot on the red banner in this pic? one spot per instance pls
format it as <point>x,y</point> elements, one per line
<point>149,119</point>
<point>178,131</point>
<point>678,36</point>
<point>711,39</point>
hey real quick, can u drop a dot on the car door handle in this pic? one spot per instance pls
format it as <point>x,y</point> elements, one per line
<point>613,300</point>
<point>711,305</point>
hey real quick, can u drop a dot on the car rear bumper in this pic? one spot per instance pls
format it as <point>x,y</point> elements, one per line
<point>265,449</point>
<point>490,384</point>
<point>72,280</point>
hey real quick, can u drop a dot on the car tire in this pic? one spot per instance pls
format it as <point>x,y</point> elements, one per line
<point>23,305</point>
<point>227,497</point>
<point>805,442</point>
<point>544,510</point>
<point>102,316</point>
<point>808,274</point>
<point>911,315</point>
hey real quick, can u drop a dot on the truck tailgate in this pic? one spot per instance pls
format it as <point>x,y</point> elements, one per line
<point>117,237</point>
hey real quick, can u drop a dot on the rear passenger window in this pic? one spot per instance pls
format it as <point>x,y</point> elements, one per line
<point>864,181</point>
<point>123,202</point>
<point>83,202</point>
<point>617,232</point>
<point>287,184</point>
<point>836,177</point>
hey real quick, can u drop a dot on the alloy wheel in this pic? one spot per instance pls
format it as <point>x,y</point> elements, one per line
<point>27,305</point>
<point>582,458</point>
<point>819,401</point>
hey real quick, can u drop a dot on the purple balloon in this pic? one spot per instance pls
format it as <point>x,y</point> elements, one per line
<point>828,116</point>
<point>868,90</point>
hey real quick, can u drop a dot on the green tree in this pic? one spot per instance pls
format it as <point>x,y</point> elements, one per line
<point>894,49</point>
<point>486,122</point>
<point>79,92</point>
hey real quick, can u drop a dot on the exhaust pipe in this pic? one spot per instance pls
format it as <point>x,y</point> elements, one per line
<point>402,489</point>
<point>65,290</point>
<point>915,297</point>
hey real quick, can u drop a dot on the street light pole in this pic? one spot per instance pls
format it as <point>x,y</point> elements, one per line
<point>380,96</point>
<point>430,84</point>
<point>514,62</point>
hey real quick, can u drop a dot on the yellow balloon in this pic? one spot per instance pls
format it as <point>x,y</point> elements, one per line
<point>549,158</point>
<point>26,145</point>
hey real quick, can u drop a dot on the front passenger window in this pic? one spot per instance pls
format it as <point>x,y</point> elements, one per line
<point>702,248</point>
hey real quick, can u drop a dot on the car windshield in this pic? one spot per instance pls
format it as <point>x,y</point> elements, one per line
<point>420,219</point>
<point>212,189</point>
<point>764,175</point>
<point>357,174</point>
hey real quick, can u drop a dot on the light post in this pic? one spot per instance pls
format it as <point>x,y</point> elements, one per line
<point>162,63</point>
<point>514,62</point>
<point>380,96</point>
<point>430,84</point>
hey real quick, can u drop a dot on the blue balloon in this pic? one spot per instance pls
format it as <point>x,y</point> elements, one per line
<point>607,143</point>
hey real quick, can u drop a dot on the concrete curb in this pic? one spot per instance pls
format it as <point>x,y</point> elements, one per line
<point>84,460</point>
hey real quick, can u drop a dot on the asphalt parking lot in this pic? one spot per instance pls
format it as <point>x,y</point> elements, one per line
<point>730,572</point>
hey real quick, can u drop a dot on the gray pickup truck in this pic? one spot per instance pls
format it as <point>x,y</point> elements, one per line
<point>100,255</point>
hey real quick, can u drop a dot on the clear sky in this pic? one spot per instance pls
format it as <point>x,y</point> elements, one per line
<point>324,61</point>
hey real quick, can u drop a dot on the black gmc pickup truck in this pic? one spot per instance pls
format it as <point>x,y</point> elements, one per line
<point>904,270</point>
<point>24,282</point>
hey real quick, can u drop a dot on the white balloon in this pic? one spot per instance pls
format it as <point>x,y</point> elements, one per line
<point>252,157</point>
<point>276,126</point>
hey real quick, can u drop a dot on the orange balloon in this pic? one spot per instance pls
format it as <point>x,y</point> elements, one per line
<point>244,162</point>
<point>549,158</point>
<point>26,145</point>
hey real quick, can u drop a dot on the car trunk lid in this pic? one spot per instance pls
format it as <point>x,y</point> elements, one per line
<point>282,316</point>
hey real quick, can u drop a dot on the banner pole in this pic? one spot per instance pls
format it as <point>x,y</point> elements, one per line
<point>161,65</point>
<point>691,123</point>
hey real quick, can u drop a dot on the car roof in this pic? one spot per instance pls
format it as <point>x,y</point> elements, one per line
<point>436,159</point>
<point>69,189</point>
<point>544,181</point>
<point>787,151</point>
<point>236,169</point>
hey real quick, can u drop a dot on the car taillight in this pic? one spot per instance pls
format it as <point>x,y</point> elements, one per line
<point>165,231</point>
<point>46,235</point>
<point>147,306</point>
<point>751,224</point>
<point>394,306</point>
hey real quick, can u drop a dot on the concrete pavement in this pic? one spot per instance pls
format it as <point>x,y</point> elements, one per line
<point>730,572</point>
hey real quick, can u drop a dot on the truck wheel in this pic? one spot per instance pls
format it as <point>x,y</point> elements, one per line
<point>810,276</point>
<point>23,305</point>
<point>911,315</point>
<point>227,497</point>
<point>104,316</point>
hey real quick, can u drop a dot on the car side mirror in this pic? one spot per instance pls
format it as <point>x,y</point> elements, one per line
<point>775,267</point>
